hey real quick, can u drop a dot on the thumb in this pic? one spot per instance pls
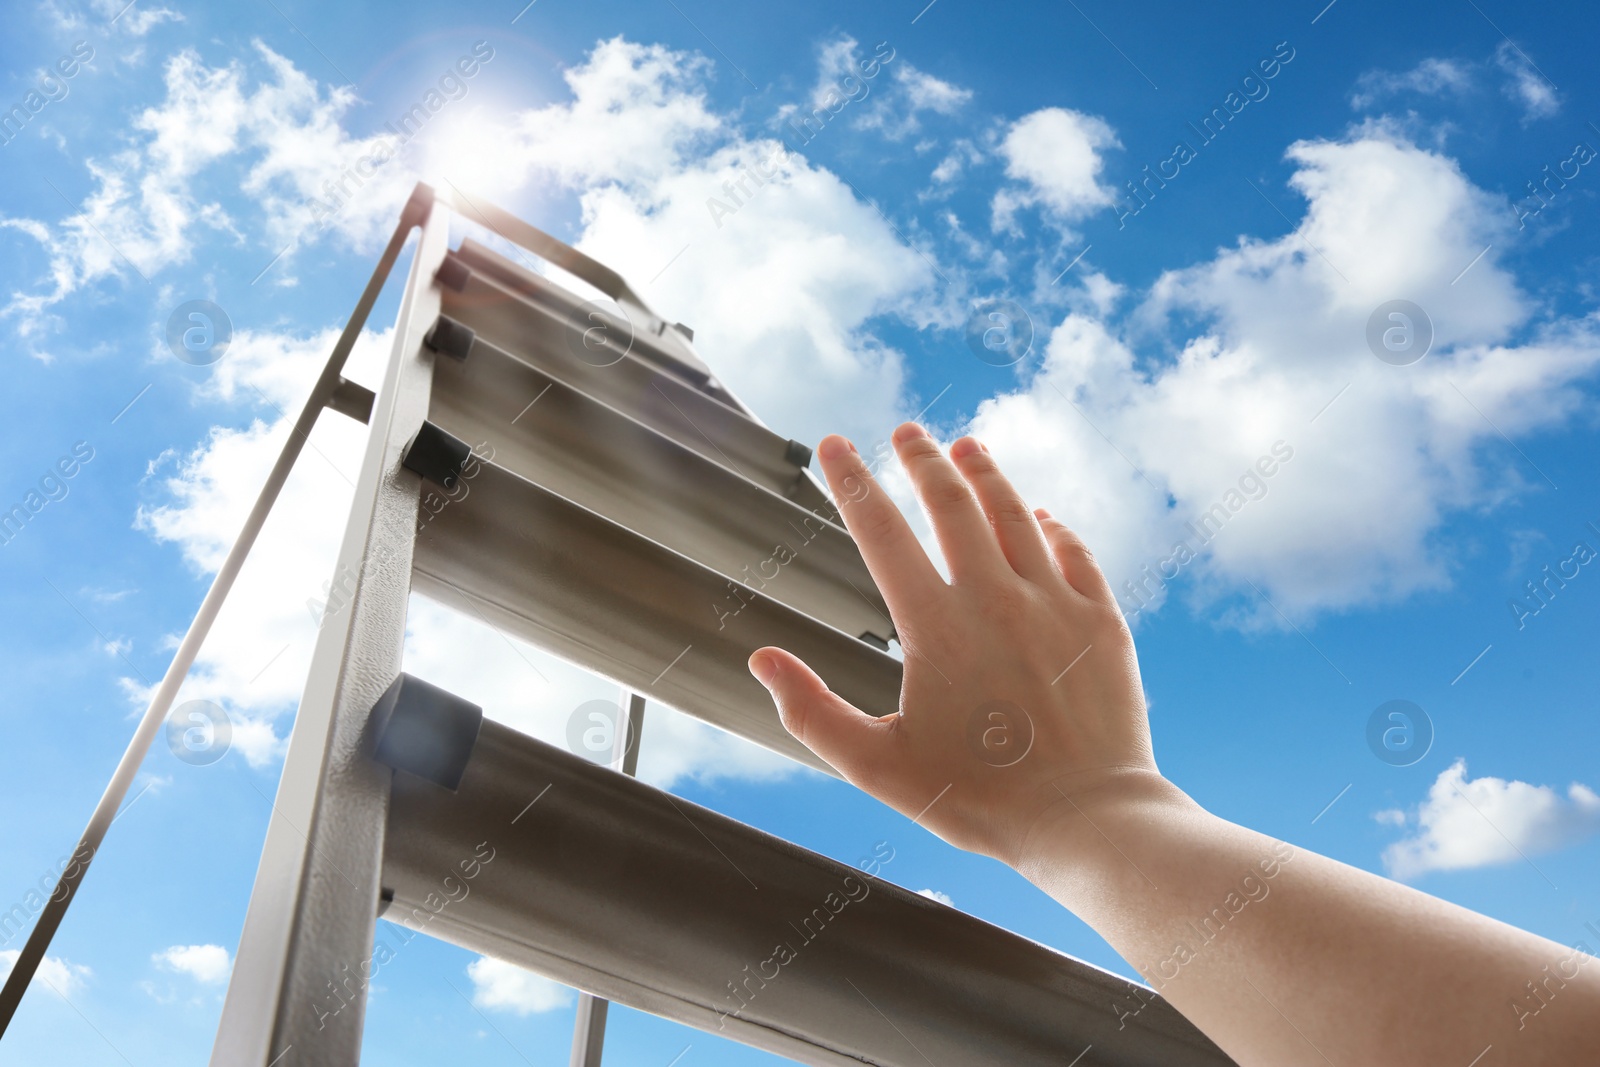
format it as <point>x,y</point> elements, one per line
<point>847,738</point>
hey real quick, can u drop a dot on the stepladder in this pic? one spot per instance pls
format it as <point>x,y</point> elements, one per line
<point>567,470</point>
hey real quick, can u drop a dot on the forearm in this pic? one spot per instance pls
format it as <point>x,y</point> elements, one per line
<point>1284,957</point>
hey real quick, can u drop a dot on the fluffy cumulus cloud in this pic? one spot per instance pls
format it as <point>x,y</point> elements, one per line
<point>206,964</point>
<point>54,972</point>
<point>1484,822</point>
<point>1275,450</point>
<point>1055,156</point>
<point>934,894</point>
<point>501,986</point>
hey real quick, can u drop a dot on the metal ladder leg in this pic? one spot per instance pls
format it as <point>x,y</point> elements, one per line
<point>589,1028</point>
<point>305,955</point>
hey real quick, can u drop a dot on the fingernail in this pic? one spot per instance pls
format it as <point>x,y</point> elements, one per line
<point>907,431</point>
<point>764,667</point>
<point>834,447</point>
<point>966,446</point>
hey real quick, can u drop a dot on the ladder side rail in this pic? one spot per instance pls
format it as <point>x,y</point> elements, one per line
<point>298,980</point>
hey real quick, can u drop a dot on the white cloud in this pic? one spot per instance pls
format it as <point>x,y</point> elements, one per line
<point>881,91</point>
<point>1522,82</point>
<point>1484,822</point>
<point>896,111</point>
<point>117,16</point>
<point>927,93</point>
<point>1431,77</point>
<point>254,662</point>
<point>284,133</point>
<point>1354,517</point>
<point>1526,84</point>
<point>208,964</point>
<point>501,986</point>
<point>134,21</point>
<point>636,111</point>
<point>934,894</point>
<point>64,977</point>
<point>1056,154</point>
<point>963,153</point>
<point>808,360</point>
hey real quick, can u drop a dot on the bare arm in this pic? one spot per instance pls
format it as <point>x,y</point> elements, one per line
<point>1022,722</point>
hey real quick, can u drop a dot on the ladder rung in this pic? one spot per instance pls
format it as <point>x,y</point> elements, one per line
<point>548,432</point>
<point>622,890</point>
<point>659,342</point>
<point>539,331</point>
<point>567,579</point>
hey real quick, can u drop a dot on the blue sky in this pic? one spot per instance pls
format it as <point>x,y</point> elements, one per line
<point>1440,153</point>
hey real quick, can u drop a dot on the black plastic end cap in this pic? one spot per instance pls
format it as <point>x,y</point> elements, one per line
<point>798,454</point>
<point>681,328</point>
<point>879,643</point>
<point>450,338</point>
<point>425,731</point>
<point>453,273</point>
<point>436,455</point>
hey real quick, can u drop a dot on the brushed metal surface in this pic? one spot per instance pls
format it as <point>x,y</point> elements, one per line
<point>549,432</point>
<point>625,891</point>
<point>567,579</point>
<point>541,331</point>
<point>310,922</point>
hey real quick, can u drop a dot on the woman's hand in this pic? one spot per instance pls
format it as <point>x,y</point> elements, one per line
<point>1021,694</point>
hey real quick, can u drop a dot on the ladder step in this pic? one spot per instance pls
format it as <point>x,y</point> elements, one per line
<point>542,332</point>
<point>565,578</point>
<point>629,893</point>
<point>666,346</point>
<point>545,430</point>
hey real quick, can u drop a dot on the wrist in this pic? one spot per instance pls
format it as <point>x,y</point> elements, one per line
<point>1086,837</point>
